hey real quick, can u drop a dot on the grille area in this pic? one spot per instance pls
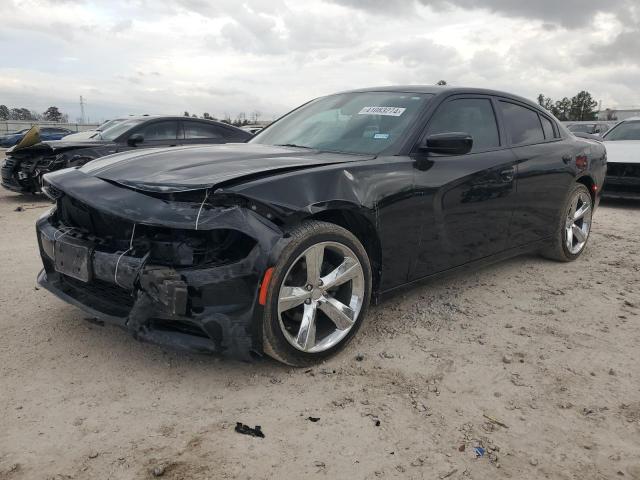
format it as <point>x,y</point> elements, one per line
<point>107,229</point>
<point>166,246</point>
<point>104,297</point>
<point>623,170</point>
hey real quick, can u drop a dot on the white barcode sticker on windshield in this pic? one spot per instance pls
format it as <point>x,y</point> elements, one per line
<point>389,111</point>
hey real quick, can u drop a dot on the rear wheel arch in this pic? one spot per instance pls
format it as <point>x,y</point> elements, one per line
<point>588,182</point>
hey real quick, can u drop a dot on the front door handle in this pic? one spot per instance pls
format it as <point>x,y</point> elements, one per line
<point>508,174</point>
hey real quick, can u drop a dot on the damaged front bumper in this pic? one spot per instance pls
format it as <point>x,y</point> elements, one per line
<point>206,308</point>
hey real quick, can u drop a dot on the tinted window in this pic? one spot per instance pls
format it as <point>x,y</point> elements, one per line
<point>160,131</point>
<point>547,127</point>
<point>523,124</point>
<point>624,131</point>
<point>468,115</point>
<point>201,130</point>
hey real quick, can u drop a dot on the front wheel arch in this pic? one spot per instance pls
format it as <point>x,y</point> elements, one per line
<point>360,225</point>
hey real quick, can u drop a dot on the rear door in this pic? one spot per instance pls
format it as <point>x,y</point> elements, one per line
<point>204,132</point>
<point>543,173</point>
<point>468,199</point>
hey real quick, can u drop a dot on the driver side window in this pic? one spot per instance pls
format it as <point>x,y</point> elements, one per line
<point>474,116</point>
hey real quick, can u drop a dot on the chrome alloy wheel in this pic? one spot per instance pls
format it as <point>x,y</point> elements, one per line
<point>578,222</point>
<point>321,297</point>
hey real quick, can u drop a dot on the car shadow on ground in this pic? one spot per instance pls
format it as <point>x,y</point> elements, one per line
<point>107,340</point>
<point>628,204</point>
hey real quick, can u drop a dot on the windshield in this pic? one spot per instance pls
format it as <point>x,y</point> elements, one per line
<point>361,123</point>
<point>114,132</point>
<point>109,124</point>
<point>624,131</point>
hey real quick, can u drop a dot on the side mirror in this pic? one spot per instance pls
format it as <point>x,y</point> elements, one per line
<point>135,139</point>
<point>454,143</point>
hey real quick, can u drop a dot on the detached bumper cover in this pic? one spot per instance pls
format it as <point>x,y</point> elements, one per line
<point>206,309</point>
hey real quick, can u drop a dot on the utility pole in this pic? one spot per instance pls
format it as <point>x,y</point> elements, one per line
<point>82,109</point>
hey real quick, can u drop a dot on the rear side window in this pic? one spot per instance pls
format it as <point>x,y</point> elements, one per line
<point>201,130</point>
<point>522,124</point>
<point>160,131</point>
<point>468,115</point>
<point>547,126</point>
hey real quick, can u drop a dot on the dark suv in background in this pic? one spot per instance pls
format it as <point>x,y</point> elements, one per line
<point>23,169</point>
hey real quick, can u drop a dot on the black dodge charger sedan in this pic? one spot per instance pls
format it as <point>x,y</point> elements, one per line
<point>23,168</point>
<point>279,245</point>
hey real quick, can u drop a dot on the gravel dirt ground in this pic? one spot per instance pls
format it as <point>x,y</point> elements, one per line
<point>534,361</point>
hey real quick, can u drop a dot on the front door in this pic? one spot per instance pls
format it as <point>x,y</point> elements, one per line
<point>467,199</point>
<point>163,133</point>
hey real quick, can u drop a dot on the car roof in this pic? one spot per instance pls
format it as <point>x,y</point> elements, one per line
<point>438,90</point>
<point>177,117</point>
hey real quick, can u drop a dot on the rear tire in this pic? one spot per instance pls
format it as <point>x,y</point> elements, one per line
<point>312,312</point>
<point>572,232</point>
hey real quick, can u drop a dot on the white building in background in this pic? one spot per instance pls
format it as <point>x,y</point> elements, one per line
<point>618,114</point>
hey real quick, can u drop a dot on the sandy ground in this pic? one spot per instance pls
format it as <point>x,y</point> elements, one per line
<point>548,350</point>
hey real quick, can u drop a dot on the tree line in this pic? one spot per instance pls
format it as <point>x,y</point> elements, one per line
<point>240,121</point>
<point>581,107</point>
<point>51,114</point>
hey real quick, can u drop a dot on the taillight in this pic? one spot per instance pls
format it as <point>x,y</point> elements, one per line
<point>582,162</point>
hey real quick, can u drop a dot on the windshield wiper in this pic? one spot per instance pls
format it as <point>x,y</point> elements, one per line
<point>292,145</point>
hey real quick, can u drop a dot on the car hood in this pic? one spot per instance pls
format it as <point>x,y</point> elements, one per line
<point>623,151</point>
<point>177,169</point>
<point>57,146</point>
<point>80,136</point>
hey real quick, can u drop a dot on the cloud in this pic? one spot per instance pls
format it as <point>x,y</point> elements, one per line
<point>568,13</point>
<point>271,55</point>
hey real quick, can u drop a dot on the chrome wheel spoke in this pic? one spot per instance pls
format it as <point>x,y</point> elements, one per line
<point>302,326</point>
<point>580,213</point>
<point>570,237</point>
<point>578,233</point>
<point>291,297</point>
<point>340,314</point>
<point>313,259</point>
<point>578,223</point>
<point>572,209</point>
<point>306,337</point>
<point>348,270</point>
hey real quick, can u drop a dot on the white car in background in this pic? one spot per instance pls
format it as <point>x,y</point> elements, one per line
<point>88,134</point>
<point>623,160</point>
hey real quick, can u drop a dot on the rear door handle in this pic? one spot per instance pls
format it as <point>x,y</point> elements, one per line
<point>507,174</point>
<point>566,158</point>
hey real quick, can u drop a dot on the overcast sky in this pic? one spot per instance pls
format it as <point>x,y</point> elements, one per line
<point>228,56</point>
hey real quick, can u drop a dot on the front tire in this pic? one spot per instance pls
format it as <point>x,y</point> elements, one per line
<point>318,294</point>
<point>574,227</point>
